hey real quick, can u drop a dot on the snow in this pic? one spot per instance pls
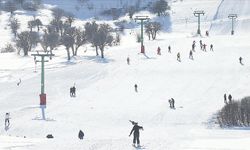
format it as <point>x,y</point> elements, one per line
<point>105,98</point>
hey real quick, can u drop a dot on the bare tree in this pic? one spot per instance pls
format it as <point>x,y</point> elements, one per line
<point>50,40</point>
<point>31,25</point>
<point>152,28</point>
<point>26,40</point>
<point>131,11</point>
<point>14,25</point>
<point>160,7</point>
<point>80,39</point>
<point>70,18</point>
<point>38,23</point>
<point>68,42</point>
<point>104,37</point>
<point>91,30</point>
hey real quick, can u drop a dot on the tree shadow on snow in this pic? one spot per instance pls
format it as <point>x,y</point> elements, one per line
<point>98,59</point>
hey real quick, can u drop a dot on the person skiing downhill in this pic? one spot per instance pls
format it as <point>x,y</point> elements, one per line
<point>179,57</point>
<point>191,55</point>
<point>136,90</point>
<point>136,134</point>
<point>7,120</point>
<point>240,59</point>
<point>211,47</point>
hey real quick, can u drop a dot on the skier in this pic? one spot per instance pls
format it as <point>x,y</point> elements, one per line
<point>170,103</point>
<point>207,33</point>
<point>169,49</point>
<point>173,101</point>
<point>18,83</point>
<point>193,47</point>
<point>204,47</point>
<point>136,88</point>
<point>211,47</point>
<point>7,120</point>
<point>201,45</point>
<point>191,55</point>
<point>179,57</point>
<point>80,135</point>
<point>136,129</point>
<point>240,59</point>
<point>225,98</point>
<point>158,51</point>
<point>128,61</point>
<point>73,91</point>
<point>230,98</point>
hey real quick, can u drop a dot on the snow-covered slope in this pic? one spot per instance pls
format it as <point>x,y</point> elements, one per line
<point>106,99</point>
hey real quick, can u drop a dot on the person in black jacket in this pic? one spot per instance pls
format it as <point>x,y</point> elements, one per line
<point>136,129</point>
<point>80,135</point>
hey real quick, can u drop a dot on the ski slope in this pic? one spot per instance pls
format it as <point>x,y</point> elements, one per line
<point>106,99</point>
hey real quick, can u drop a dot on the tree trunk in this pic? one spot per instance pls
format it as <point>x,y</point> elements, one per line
<point>76,51</point>
<point>102,52</point>
<point>73,50</point>
<point>68,53</point>
<point>96,50</point>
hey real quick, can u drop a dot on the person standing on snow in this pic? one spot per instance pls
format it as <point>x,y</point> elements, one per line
<point>201,45</point>
<point>204,47</point>
<point>211,47</point>
<point>158,51</point>
<point>240,59</point>
<point>225,98</point>
<point>230,98</point>
<point>169,49</point>
<point>173,101</point>
<point>128,61</point>
<point>136,88</point>
<point>136,130</point>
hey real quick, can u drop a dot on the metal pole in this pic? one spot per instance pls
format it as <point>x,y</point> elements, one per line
<point>199,28</point>
<point>141,33</point>
<point>232,26</point>
<point>42,75</point>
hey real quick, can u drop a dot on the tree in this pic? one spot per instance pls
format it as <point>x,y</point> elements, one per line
<point>103,37</point>
<point>152,28</point>
<point>91,30</point>
<point>14,25</point>
<point>80,39</point>
<point>38,23</point>
<point>31,24</point>
<point>49,40</point>
<point>131,11</point>
<point>70,18</point>
<point>26,40</point>
<point>160,7</point>
<point>68,42</point>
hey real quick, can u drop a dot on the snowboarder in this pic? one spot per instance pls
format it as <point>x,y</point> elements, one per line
<point>179,57</point>
<point>201,45</point>
<point>158,51</point>
<point>225,98</point>
<point>169,49</point>
<point>230,98</point>
<point>80,135</point>
<point>136,88</point>
<point>7,120</point>
<point>240,59</point>
<point>128,61</point>
<point>211,47</point>
<point>136,131</point>
<point>191,55</point>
